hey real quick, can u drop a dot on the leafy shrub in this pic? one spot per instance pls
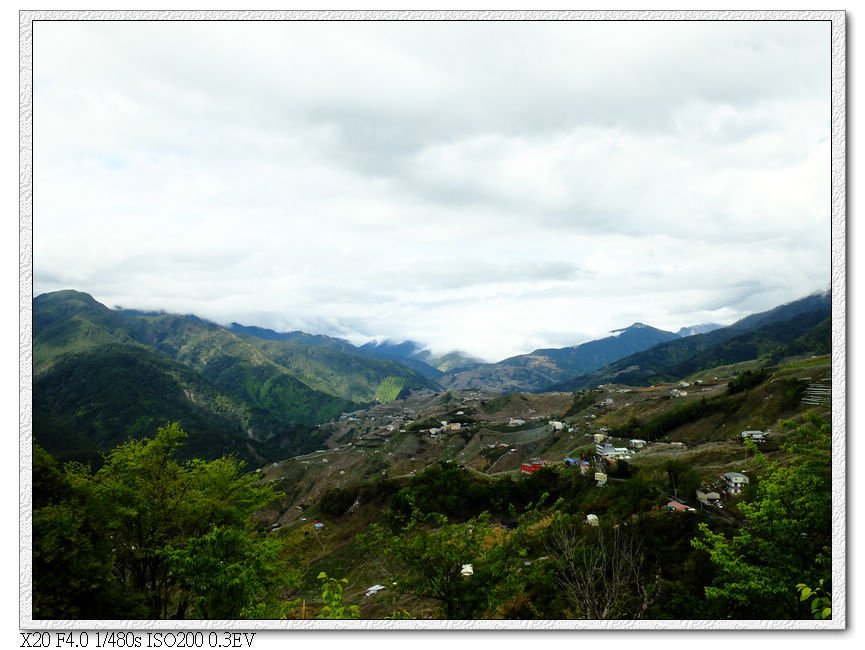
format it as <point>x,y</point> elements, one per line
<point>746,381</point>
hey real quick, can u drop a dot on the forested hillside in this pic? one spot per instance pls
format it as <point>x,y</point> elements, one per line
<point>102,376</point>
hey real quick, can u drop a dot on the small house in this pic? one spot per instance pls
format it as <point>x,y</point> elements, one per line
<point>556,426</point>
<point>637,444</point>
<point>756,436</point>
<point>601,478</point>
<point>677,506</point>
<point>735,482</point>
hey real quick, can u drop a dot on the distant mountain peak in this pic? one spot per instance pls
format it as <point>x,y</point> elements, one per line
<point>703,328</point>
<point>406,348</point>
<point>633,327</point>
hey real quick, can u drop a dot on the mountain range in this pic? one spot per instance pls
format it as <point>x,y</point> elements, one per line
<point>101,376</point>
<point>542,368</point>
<point>799,328</point>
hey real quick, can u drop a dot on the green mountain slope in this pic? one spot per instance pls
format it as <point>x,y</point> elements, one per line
<point>93,400</point>
<point>416,357</point>
<point>450,361</point>
<point>69,322</point>
<point>102,375</point>
<point>350,375</point>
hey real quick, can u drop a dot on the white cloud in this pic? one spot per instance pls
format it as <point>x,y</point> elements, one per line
<point>483,186</point>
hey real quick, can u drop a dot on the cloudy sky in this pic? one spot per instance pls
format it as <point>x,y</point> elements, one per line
<point>492,187</point>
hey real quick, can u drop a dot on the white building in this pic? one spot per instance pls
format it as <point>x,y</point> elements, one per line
<point>608,451</point>
<point>735,482</point>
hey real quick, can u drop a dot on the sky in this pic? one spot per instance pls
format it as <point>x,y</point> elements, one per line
<point>492,187</point>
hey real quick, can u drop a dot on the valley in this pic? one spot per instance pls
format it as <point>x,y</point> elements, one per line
<point>428,491</point>
<point>488,443</point>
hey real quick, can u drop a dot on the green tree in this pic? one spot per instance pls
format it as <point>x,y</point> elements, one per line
<point>746,380</point>
<point>174,538</point>
<point>334,605</point>
<point>819,596</point>
<point>683,481</point>
<point>788,526</point>
<point>432,558</point>
<point>72,572</point>
<point>228,573</point>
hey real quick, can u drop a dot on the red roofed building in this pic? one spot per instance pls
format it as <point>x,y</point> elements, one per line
<point>532,467</point>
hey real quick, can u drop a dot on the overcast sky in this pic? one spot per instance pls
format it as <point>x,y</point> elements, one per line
<point>492,187</point>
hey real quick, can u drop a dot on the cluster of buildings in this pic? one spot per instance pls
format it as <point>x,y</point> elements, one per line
<point>445,427</point>
<point>607,451</point>
<point>729,483</point>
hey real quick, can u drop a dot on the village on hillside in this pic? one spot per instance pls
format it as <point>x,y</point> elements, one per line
<point>518,434</point>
